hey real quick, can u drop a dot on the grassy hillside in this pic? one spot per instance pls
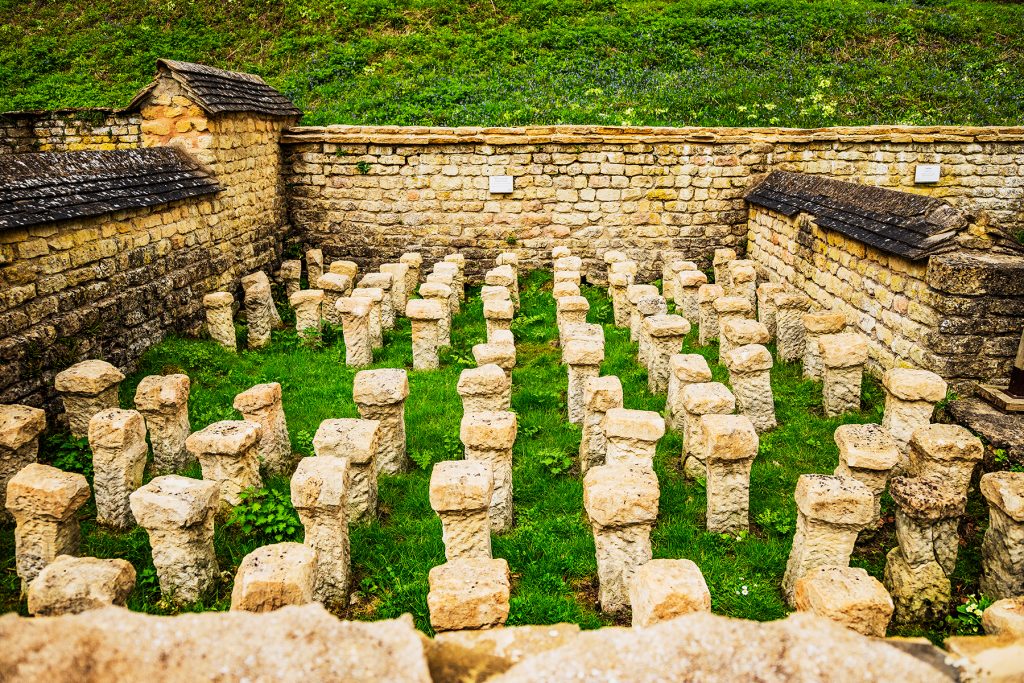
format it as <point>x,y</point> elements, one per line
<point>499,62</point>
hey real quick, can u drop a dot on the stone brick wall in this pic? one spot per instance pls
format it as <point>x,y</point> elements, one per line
<point>369,193</point>
<point>68,131</point>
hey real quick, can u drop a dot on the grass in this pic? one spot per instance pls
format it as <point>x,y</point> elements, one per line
<point>550,551</point>
<point>513,62</point>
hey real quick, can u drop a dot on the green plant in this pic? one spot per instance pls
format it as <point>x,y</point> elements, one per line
<point>363,167</point>
<point>304,442</point>
<point>554,460</point>
<point>69,453</point>
<point>776,521</point>
<point>422,457</point>
<point>265,514</point>
<point>967,620</point>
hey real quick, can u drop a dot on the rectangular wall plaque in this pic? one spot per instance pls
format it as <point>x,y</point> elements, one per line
<point>927,173</point>
<point>501,184</point>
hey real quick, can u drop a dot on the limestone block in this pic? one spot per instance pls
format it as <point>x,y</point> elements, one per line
<point>308,305</point>
<point>734,332</point>
<point>766,292</point>
<point>485,388</point>
<point>227,453</point>
<point>498,315</point>
<point>927,510</point>
<point>1002,550</point>
<point>920,594</point>
<point>502,355</point>
<point>258,314</point>
<point>320,490</point>
<point>570,263</point>
<point>355,323</point>
<point>274,576</point>
<point>334,287</point>
<point>425,317</point>
<point>118,442</point>
<point>442,294</point>
<point>349,269</point>
<point>910,398</point>
<point>314,264</point>
<point>703,398</point>
<point>687,285</point>
<point>632,436</point>
<point>684,369</point>
<point>831,511</point>
<point>848,596</point>
<point>666,589</point>
<point>1005,617</point>
<point>380,395</point>
<point>867,453</point>
<point>414,264</point>
<point>44,501</point>
<point>262,404</point>
<point>400,295</point>
<point>816,325</point>
<point>20,427</point>
<point>600,395</point>
<point>742,280</point>
<point>750,377</point>
<point>260,284</point>
<point>562,251</point>
<point>446,274</point>
<point>86,388</point>
<point>291,275</point>
<point>470,593</point>
<point>610,257</point>
<point>494,293</point>
<point>373,296</point>
<point>562,289</point>
<point>665,334</point>
<point>178,514</point>
<point>618,283</point>
<point>843,357</point>
<point>947,451</point>
<point>720,263</point>
<point>460,494</point>
<point>583,358</point>
<point>459,263</point>
<point>789,324</point>
<point>504,276</point>
<point>71,585</point>
<point>633,295</point>
<point>358,442</point>
<point>219,322</point>
<point>488,437</point>
<point>570,310</point>
<point>163,402</point>
<point>730,446</point>
<point>647,307</point>
<point>385,283</point>
<point>707,318</point>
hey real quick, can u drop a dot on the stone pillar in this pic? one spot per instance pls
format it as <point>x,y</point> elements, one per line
<point>743,282</point>
<point>848,596</point>
<point>72,585</point>
<point>425,317</point>
<point>486,388</point>
<point>600,395</point>
<point>708,398</point>
<point>504,276</point>
<point>1002,551</point>
<point>86,388</point>
<point>20,427</point>
<point>349,269</point>
<point>498,316</point>
<point>260,284</point>
<point>665,589</point>
<point>448,274</point>
<point>910,398</point>
<point>666,334</point>
<point>750,368</point>
<point>178,514</point>
<point>831,511</point>
<point>567,277</point>
<point>729,308</point>
<point>414,262</point>
<point>632,436</point>
<point>320,494</point>
<point>441,294</point>
<point>766,292</point>
<point>44,502</point>
<point>494,293</point>
<point>633,295</point>
<point>789,325</point>
<point>291,276</point>
<point>219,322</point>
<point>671,266</point>
<point>736,332</point>
<point>569,264</point>
<point>618,283</point>
<point>399,276</point>
<point>384,282</point>
<point>707,318</point>
<point>314,265</point>
<point>688,283</point>
<point>258,316</point>
<point>380,395</point>
<point>460,494</point>
<point>469,594</point>
<point>647,307</point>
<point>622,503</point>
<point>570,310</point>
<point>817,325</point>
<point>684,369</point>
<point>949,451</point>
<point>163,402</point>
<point>843,357</point>
<point>355,324</point>
<point>488,437</point>
<point>721,265</point>
<point>560,252</point>
<point>564,289</point>
<point>584,358</point>
<point>227,453</point>
<point>356,441</point>
<point>867,453</point>
<point>308,305</point>
<point>334,287</point>
<point>118,442</point>
<point>375,323</point>
<point>459,262</point>
<point>730,446</point>
<point>501,354</point>
<point>262,404</point>
<point>274,576</point>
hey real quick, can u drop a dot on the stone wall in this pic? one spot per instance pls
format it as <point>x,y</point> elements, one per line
<point>370,193</point>
<point>68,130</point>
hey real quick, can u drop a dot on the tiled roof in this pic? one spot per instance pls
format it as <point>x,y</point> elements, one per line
<point>909,225</point>
<point>53,186</point>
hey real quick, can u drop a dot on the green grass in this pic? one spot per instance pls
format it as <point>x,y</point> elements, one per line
<point>550,550</point>
<point>511,62</point>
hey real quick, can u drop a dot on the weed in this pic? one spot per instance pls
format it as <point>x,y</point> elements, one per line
<point>363,167</point>
<point>69,453</point>
<point>776,521</point>
<point>267,515</point>
<point>967,620</point>
<point>555,461</point>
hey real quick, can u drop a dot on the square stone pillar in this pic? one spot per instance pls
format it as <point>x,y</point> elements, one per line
<point>470,593</point>
<point>320,494</point>
<point>666,334</point>
<point>567,277</point>
<point>414,263</point>
<point>560,251</point>
<point>163,402</point>
<point>510,259</point>
<point>743,282</point>
<point>1002,551</point>
<point>219,319</point>
<point>275,576</point>
<point>571,264</point>
<point>44,502</point>
<point>688,283</point>
<point>425,317</point>
<point>563,289</point>
<point>498,315</point>
<point>583,358</point>
<point>227,453</point>
<point>672,265</point>
<point>618,284</point>
<point>291,275</point>
<point>730,446</point>
<point>460,494</point>
<point>259,283</point>
<point>314,265</point>
<point>459,261</point>
<point>633,295</point>
<point>570,310</point>
<point>86,388</point>
<point>600,395</point>
<point>843,357</point>
<point>665,589</point>
<point>735,332</point>
<point>622,503</point>
<point>450,274</point>
<point>707,318</point>
<point>373,296</point>
<point>948,451</point>
<point>118,442</point>
<point>647,307</point>
<point>334,287</point>
<point>399,281</point>
<point>442,294</point>
<point>385,283</point>
<point>684,369</point>
<point>260,312</point>
<point>817,325</point>
<point>632,436</point>
<point>789,324</point>
<point>831,511</point>
<point>72,585</point>
<point>766,292</point>
<point>355,324</point>
<point>729,308</point>
<point>707,398</point>
<point>493,353</point>
<point>486,388</point>
<point>380,395</point>
<point>356,441</point>
<point>262,404</point>
<point>178,514</point>
<point>750,368</point>
<point>488,437</point>
<point>504,276</point>
<point>347,268</point>
<point>848,596</point>
<point>308,305</point>
<point>867,453</point>
<point>20,428</point>
<point>910,398</point>
<point>720,263</point>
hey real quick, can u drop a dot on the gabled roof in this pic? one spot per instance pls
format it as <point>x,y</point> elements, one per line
<point>217,91</point>
<point>909,225</point>
<point>52,186</point>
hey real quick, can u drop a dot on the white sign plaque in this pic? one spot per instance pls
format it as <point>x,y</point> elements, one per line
<point>927,173</point>
<point>501,184</point>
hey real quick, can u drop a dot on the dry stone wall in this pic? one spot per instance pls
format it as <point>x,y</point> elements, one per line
<point>68,131</point>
